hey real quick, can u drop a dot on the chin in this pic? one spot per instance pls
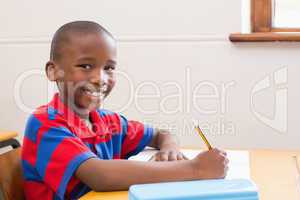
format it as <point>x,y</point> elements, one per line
<point>84,108</point>
<point>91,108</point>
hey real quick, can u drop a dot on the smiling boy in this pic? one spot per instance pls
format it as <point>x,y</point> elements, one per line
<point>71,146</point>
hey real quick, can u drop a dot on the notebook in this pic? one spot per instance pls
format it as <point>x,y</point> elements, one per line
<point>239,165</point>
<point>236,186</point>
<point>235,189</point>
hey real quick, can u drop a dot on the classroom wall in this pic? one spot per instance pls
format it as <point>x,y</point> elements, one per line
<point>176,67</point>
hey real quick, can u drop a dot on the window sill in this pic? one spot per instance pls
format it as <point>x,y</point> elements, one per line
<point>265,37</point>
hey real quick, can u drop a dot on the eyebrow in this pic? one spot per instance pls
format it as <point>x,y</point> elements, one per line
<point>93,59</point>
<point>86,58</point>
<point>112,62</point>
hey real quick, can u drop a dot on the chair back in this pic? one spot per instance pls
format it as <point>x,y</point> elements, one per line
<point>11,178</point>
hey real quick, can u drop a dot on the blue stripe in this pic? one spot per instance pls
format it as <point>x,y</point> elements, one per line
<point>79,190</point>
<point>89,145</point>
<point>29,172</point>
<point>72,167</point>
<point>109,147</point>
<point>103,151</point>
<point>49,142</point>
<point>103,112</point>
<point>52,113</point>
<point>99,151</point>
<point>56,197</point>
<point>32,127</point>
<point>124,127</point>
<point>146,139</point>
<point>117,144</point>
<point>118,139</point>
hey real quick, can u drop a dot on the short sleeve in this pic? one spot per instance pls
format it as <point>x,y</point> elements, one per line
<point>59,154</point>
<point>136,136</point>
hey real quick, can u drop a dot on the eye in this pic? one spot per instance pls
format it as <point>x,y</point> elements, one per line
<point>85,66</point>
<point>109,68</point>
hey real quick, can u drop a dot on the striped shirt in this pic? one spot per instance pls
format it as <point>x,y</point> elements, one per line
<point>57,141</point>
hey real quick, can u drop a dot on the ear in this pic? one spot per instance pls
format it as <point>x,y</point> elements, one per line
<point>53,71</point>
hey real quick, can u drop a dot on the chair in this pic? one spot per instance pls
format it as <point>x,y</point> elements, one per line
<point>11,179</point>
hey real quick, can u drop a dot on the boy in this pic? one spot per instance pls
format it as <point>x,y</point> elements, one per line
<point>71,147</point>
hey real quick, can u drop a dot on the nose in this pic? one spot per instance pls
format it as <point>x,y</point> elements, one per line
<point>99,78</point>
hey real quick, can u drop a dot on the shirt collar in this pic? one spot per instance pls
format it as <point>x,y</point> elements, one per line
<point>74,121</point>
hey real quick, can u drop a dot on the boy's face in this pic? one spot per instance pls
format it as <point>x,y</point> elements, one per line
<point>86,71</point>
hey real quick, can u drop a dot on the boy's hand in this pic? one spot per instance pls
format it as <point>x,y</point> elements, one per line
<point>211,164</point>
<point>168,155</point>
<point>168,148</point>
<point>169,152</point>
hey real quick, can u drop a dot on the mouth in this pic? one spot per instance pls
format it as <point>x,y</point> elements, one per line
<point>94,93</point>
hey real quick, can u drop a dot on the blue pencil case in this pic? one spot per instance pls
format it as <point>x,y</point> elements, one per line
<point>221,189</point>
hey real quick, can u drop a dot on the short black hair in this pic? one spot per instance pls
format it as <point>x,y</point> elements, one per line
<point>63,34</point>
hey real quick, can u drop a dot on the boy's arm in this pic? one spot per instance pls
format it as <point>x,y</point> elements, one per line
<point>169,149</point>
<point>110,175</point>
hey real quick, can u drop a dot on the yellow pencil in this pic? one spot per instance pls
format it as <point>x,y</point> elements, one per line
<point>203,137</point>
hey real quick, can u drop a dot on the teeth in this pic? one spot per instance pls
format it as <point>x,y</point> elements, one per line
<point>88,92</point>
<point>97,94</point>
<point>100,94</point>
<point>103,88</point>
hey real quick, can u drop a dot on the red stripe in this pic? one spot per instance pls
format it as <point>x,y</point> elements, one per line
<point>36,190</point>
<point>44,120</point>
<point>112,122</point>
<point>133,137</point>
<point>29,152</point>
<point>115,124</point>
<point>117,156</point>
<point>71,185</point>
<point>65,152</point>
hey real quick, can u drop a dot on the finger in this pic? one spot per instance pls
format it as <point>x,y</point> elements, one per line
<point>184,157</point>
<point>153,158</point>
<point>172,156</point>
<point>226,171</point>
<point>180,156</point>
<point>226,161</point>
<point>163,156</point>
<point>223,152</point>
<point>215,150</point>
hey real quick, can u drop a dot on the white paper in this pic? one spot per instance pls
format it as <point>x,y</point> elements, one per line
<point>239,165</point>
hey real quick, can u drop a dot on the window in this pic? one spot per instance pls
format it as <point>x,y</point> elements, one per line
<point>272,20</point>
<point>286,14</point>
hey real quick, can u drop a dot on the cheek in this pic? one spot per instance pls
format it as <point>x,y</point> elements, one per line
<point>110,83</point>
<point>72,81</point>
<point>85,102</point>
<point>111,80</point>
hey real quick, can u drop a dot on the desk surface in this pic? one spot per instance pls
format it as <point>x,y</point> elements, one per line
<point>274,172</point>
<point>5,135</point>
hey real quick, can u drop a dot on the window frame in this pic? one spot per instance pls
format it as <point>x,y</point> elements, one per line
<point>261,26</point>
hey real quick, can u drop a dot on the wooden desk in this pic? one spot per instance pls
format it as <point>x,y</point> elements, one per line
<point>274,172</point>
<point>5,135</point>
